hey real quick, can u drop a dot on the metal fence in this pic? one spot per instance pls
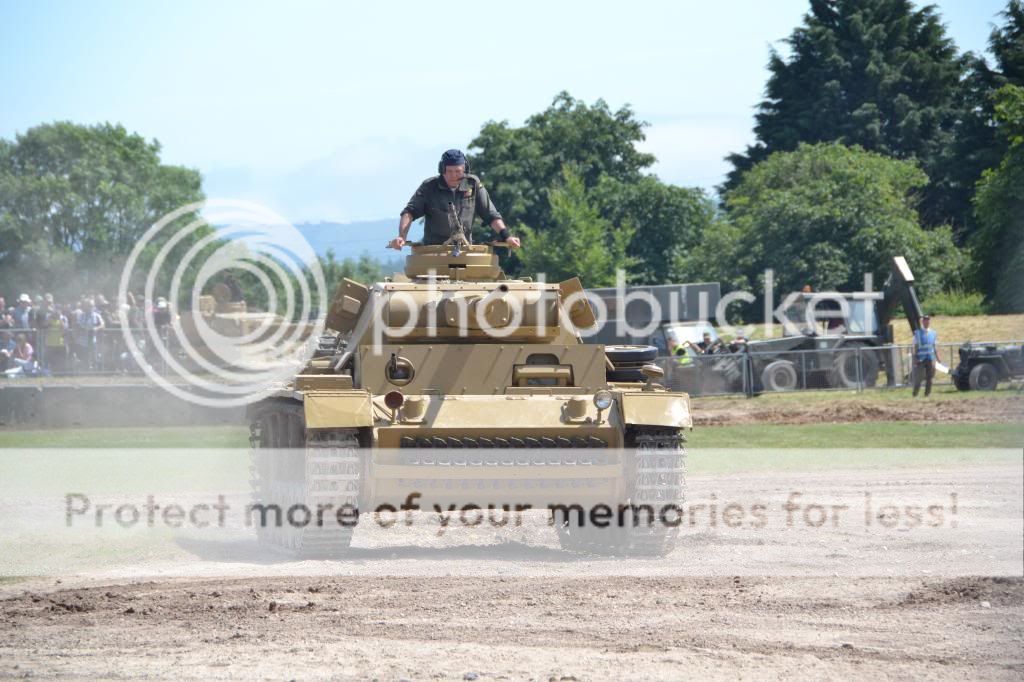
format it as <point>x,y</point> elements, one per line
<point>843,368</point>
<point>104,352</point>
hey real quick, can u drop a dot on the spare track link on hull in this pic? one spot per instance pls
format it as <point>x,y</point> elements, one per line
<point>658,480</point>
<point>317,471</point>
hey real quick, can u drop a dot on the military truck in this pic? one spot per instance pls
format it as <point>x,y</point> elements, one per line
<point>832,339</point>
<point>453,384</point>
<point>983,365</point>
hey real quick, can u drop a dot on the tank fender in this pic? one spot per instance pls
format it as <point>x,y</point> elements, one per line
<point>338,409</point>
<point>656,409</point>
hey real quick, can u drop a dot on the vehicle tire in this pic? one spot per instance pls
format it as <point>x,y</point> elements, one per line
<point>625,375</point>
<point>629,355</point>
<point>984,377</point>
<point>730,368</point>
<point>628,361</point>
<point>779,376</point>
<point>846,373</point>
<point>961,379</point>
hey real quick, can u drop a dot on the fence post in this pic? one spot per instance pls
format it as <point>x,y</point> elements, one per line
<point>748,375</point>
<point>860,371</point>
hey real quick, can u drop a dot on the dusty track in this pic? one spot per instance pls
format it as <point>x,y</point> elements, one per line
<point>529,611</point>
<point>938,408</point>
<point>515,628</point>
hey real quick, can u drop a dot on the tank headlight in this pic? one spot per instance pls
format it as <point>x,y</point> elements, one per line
<point>603,400</point>
<point>394,399</point>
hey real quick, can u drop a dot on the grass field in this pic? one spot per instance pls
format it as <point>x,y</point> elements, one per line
<point>129,437</point>
<point>942,393</point>
<point>951,329</point>
<point>968,328</point>
<point>858,435</point>
<point>117,465</point>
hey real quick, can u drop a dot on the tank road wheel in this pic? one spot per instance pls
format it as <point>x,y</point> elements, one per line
<point>657,473</point>
<point>300,482</point>
<point>846,373</point>
<point>779,376</point>
<point>983,377</point>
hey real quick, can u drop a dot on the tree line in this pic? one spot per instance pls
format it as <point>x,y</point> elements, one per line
<point>75,200</point>
<point>875,138</point>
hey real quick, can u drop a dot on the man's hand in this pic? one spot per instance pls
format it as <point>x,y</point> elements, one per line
<point>513,242</point>
<point>397,243</point>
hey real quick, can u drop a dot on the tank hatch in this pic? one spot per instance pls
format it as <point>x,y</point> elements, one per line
<point>467,263</point>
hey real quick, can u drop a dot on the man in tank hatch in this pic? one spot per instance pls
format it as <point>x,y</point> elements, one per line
<point>453,191</point>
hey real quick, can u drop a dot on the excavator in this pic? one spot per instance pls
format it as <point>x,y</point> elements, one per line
<point>831,340</point>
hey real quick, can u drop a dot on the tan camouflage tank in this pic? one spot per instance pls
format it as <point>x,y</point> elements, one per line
<point>454,384</point>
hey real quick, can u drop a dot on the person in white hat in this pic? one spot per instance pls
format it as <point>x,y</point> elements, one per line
<point>23,312</point>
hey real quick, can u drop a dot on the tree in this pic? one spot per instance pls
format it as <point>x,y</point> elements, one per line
<point>365,270</point>
<point>979,144</point>
<point>824,215</point>
<point>667,220</point>
<point>74,200</point>
<point>581,243</point>
<point>1007,43</point>
<point>999,203</point>
<point>873,73</point>
<point>521,166</point>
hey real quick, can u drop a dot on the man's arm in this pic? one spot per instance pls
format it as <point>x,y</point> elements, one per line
<point>498,225</point>
<point>403,232</point>
<point>489,214</point>
<point>416,207</point>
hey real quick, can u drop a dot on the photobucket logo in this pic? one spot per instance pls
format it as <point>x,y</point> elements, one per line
<point>230,355</point>
<point>435,307</point>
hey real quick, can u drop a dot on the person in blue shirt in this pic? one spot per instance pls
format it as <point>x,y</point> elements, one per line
<point>924,356</point>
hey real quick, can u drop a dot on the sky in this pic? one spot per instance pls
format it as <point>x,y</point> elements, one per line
<point>334,111</point>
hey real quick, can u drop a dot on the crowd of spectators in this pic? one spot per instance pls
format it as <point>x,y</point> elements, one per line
<point>39,335</point>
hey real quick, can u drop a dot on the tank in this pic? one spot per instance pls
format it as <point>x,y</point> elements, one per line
<point>225,314</point>
<point>455,385</point>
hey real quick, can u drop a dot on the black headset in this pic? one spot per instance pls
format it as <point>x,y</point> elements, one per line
<point>441,164</point>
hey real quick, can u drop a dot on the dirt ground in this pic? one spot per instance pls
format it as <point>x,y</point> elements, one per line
<point>479,604</point>
<point>726,411</point>
<point>476,604</point>
<point>515,628</point>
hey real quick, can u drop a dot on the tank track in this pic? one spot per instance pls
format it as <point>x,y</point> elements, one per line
<point>658,475</point>
<point>325,474</point>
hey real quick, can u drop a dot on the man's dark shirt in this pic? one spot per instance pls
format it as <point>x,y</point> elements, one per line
<point>432,200</point>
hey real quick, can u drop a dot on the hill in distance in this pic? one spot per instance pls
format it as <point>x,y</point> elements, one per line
<point>351,240</point>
